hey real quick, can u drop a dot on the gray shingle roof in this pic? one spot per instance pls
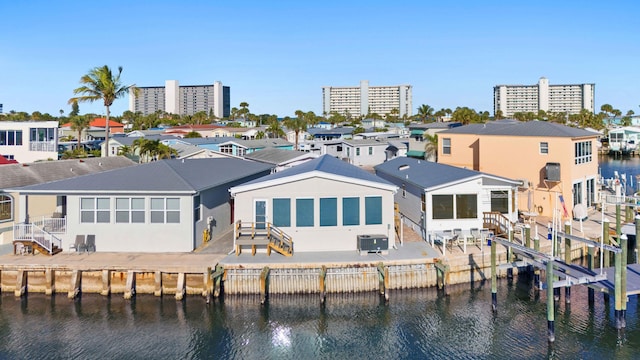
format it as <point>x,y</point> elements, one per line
<point>426,174</point>
<point>186,176</point>
<point>510,127</point>
<point>274,155</point>
<point>326,164</point>
<point>17,175</point>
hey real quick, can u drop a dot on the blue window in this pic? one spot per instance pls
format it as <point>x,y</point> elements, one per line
<point>328,212</point>
<point>282,212</point>
<point>304,212</point>
<point>373,210</point>
<point>350,211</point>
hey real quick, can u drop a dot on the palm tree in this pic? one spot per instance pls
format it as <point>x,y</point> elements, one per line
<point>101,84</point>
<point>425,112</point>
<point>431,147</point>
<point>297,124</point>
<point>79,124</point>
<point>275,128</point>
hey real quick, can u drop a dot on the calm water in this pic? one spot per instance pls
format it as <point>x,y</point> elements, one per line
<point>416,324</point>
<point>624,165</point>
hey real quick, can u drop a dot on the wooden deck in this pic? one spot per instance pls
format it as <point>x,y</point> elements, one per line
<point>633,279</point>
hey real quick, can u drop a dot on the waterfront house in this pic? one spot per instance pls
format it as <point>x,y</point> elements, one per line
<point>365,152</point>
<point>161,206</point>
<point>280,158</point>
<point>419,134</point>
<point>435,197</point>
<point>624,140</point>
<point>43,207</point>
<point>323,204</point>
<point>549,159</point>
<point>29,141</point>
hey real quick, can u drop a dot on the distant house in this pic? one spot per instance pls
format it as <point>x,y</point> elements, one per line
<point>337,133</point>
<point>281,158</point>
<point>367,152</point>
<point>549,159</point>
<point>161,206</point>
<point>419,134</point>
<point>29,141</point>
<point>323,204</point>
<point>95,130</point>
<point>436,197</point>
<point>116,144</point>
<point>19,175</point>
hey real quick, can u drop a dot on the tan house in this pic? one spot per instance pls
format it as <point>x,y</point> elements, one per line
<point>554,162</point>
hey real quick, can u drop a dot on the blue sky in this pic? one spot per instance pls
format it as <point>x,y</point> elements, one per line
<point>277,55</point>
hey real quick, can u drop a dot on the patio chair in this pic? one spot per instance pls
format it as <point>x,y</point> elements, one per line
<point>91,243</point>
<point>475,234</point>
<point>79,245</point>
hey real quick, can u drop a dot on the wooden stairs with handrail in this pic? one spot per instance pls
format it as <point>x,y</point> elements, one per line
<point>498,223</point>
<point>262,234</point>
<point>31,246</point>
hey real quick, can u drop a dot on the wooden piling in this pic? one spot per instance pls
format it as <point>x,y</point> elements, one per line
<point>527,236</point>
<point>76,284</point>
<point>623,280</point>
<point>264,285</point>
<point>130,287</point>
<point>618,224</point>
<point>550,303</point>
<point>49,281</point>
<point>567,259</point>
<point>637,247</point>
<point>181,286</point>
<point>510,255</point>
<point>21,283</point>
<point>218,278</point>
<point>323,284</point>
<point>383,280</point>
<point>536,271</point>
<point>494,277</point>
<point>618,289</point>
<point>590,265</point>
<point>106,283</point>
<point>207,283</point>
<point>157,280</point>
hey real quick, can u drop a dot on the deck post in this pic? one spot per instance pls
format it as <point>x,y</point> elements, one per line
<point>181,286</point>
<point>637,249</point>
<point>106,283</point>
<point>618,289</point>
<point>536,271</point>
<point>130,287</point>
<point>157,279</point>
<point>494,277</point>
<point>76,284</point>
<point>527,236</point>
<point>21,283</point>
<point>551,333</point>
<point>50,281</point>
<point>623,279</point>
<point>567,259</point>
<point>264,285</point>
<point>618,224</point>
<point>323,284</point>
<point>590,263</point>
<point>628,212</point>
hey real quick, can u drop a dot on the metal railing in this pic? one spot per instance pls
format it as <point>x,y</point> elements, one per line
<point>31,232</point>
<point>42,146</point>
<point>53,225</point>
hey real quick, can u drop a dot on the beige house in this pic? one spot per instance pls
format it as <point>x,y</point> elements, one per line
<point>553,161</point>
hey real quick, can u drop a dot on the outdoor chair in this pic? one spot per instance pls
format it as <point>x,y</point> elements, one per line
<point>475,234</point>
<point>79,245</point>
<point>91,243</point>
<point>457,235</point>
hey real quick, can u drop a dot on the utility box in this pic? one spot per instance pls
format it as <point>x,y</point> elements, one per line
<point>552,172</point>
<point>373,243</point>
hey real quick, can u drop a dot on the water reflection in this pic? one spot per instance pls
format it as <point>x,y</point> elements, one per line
<point>418,323</point>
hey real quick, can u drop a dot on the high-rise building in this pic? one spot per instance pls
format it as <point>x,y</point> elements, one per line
<point>570,98</point>
<point>365,99</point>
<point>182,100</point>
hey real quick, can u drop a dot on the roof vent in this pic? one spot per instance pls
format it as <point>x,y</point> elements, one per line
<point>403,167</point>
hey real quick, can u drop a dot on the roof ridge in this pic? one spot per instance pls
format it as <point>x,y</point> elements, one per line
<point>175,172</point>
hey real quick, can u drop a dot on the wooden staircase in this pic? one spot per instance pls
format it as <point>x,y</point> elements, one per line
<point>263,234</point>
<point>30,247</point>
<point>498,223</point>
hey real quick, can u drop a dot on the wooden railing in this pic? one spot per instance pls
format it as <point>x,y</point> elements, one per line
<point>254,234</point>
<point>32,233</point>
<point>497,222</point>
